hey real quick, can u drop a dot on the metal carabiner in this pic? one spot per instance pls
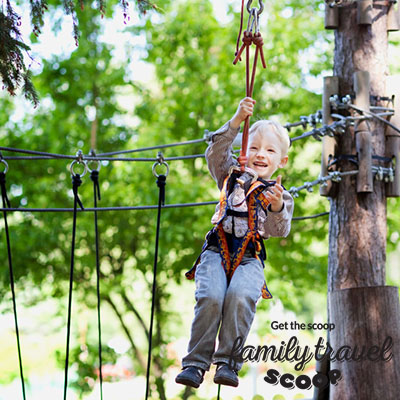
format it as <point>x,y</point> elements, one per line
<point>259,11</point>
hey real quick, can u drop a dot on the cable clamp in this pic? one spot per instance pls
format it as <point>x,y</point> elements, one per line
<point>160,161</point>
<point>79,160</point>
<point>294,191</point>
<point>335,176</point>
<point>207,136</point>
<point>309,186</point>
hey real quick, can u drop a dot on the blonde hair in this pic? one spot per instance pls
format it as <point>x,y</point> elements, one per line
<point>265,124</point>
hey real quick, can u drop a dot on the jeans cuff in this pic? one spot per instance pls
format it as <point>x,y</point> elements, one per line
<point>231,363</point>
<point>197,364</point>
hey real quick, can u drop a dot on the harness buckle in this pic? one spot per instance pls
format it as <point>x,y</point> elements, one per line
<point>236,169</point>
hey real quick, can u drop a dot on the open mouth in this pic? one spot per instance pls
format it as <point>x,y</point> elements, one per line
<point>260,164</point>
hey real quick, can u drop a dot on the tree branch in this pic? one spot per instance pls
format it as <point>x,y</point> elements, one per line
<point>138,354</point>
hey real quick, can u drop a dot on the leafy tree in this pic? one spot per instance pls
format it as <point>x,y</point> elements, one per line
<point>13,69</point>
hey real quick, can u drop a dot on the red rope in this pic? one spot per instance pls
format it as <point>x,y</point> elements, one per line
<point>248,39</point>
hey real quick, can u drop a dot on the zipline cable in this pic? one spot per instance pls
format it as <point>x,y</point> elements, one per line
<point>6,204</point>
<point>162,146</point>
<point>94,176</point>
<point>76,182</point>
<point>161,182</point>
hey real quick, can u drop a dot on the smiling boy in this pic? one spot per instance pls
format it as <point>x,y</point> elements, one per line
<point>229,272</point>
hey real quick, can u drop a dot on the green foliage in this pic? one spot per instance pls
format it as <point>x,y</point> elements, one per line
<point>86,366</point>
<point>13,70</point>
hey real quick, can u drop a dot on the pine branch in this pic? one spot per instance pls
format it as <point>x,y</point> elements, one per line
<point>13,71</point>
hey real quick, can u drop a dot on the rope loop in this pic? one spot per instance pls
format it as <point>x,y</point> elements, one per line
<point>76,182</point>
<point>6,201</point>
<point>94,176</point>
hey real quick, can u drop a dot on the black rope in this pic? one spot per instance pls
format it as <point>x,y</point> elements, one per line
<point>6,203</point>
<point>219,391</point>
<point>76,182</point>
<point>94,176</point>
<point>161,182</point>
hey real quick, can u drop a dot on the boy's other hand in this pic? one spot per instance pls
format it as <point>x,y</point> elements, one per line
<point>244,110</point>
<point>275,195</point>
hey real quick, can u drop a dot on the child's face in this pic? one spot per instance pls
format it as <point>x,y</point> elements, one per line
<point>265,153</point>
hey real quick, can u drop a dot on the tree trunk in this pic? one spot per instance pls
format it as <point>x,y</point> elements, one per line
<point>357,233</point>
<point>357,226</point>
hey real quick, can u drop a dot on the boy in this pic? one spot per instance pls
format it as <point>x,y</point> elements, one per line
<point>251,209</point>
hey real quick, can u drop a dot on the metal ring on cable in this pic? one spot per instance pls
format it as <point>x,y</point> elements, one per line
<point>79,160</point>
<point>6,165</point>
<point>160,161</point>
<point>93,154</point>
<point>261,9</point>
<point>156,164</point>
<point>85,167</point>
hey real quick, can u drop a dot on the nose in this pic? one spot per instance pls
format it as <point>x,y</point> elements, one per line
<point>261,154</point>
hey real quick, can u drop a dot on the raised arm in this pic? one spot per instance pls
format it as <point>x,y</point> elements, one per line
<point>218,154</point>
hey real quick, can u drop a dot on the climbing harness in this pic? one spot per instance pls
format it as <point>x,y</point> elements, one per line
<point>161,182</point>
<point>6,204</point>
<point>76,182</point>
<point>251,36</point>
<point>94,176</point>
<point>228,244</point>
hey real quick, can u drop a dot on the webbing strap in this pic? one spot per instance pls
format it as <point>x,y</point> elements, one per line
<point>6,204</point>
<point>161,182</point>
<point>76,182</point>
<point>94,176</point>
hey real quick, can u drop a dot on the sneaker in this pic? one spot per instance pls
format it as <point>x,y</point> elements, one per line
<point>190,376</point>
<point>226,376</point>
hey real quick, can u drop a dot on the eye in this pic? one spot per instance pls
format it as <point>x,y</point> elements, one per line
<point>271,150</point>
<point>253,148</point>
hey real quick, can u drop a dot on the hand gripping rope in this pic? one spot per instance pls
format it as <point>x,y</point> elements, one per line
<point>248,39</point>
<point>76,182</point>
<point>161,182</point>
<point>6,204</point>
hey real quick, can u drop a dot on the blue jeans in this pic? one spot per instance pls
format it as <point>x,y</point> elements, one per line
<point>219,305</point>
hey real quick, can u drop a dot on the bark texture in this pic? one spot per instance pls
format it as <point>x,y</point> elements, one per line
<point>357,235</point>
<point>366,317</point>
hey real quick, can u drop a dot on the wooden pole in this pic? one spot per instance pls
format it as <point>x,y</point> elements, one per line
<point>393,23</point>
<point>358,226</point>
<point>364,12</point>
<point>366,317</point>
<point>329,144</point>
<point>363,134</point>
<point>331,17</point>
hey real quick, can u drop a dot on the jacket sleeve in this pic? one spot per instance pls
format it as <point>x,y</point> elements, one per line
<point>277,224</point>
<point>219,154</point>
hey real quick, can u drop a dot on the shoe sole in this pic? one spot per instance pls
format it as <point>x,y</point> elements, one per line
<point>225,381</point>
<point>188,382</point>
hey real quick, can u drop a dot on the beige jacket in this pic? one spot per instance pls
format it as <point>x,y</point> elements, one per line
<point>219,160</point>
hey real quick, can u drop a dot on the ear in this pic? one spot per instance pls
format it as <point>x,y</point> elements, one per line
<point>283,162</point>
